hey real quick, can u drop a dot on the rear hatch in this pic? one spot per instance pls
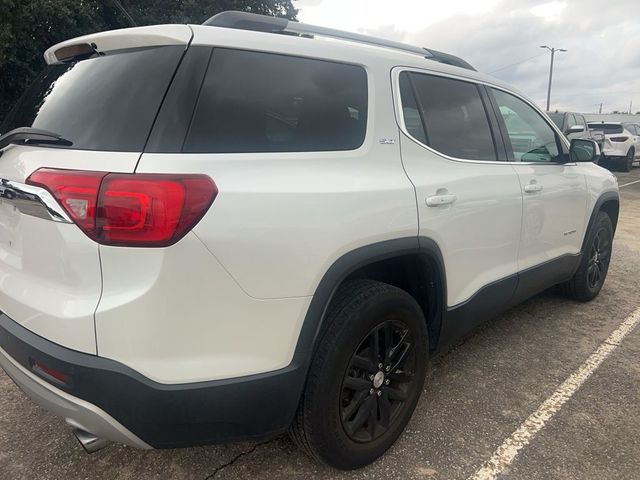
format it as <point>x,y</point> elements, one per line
<point>101,93</point>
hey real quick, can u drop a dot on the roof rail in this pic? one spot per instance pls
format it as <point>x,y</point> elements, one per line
<point>264,23</point>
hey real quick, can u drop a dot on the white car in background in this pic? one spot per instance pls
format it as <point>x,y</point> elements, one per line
<point>621,142</point>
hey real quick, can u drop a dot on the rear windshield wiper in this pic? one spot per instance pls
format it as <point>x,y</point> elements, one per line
<point>30,135</point>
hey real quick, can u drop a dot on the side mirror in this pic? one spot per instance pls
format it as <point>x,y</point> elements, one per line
<point>583,150</point>
<point>576,129</point>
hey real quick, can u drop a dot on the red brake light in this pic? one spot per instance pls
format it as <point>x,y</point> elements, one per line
<point>618,139</point>
<point>138,210</point>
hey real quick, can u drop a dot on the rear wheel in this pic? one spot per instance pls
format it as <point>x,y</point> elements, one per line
<point>366,376</point>
<point>627,163</point>
<point>594,265</point>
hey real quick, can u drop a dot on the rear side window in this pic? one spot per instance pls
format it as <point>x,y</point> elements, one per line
<point>103,103</point>
<point>259,102</point>
<point>454,116</point>
<point>607,128</point>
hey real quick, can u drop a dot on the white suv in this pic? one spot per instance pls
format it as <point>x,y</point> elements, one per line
<point>621,142</point>
<point>218,232</point>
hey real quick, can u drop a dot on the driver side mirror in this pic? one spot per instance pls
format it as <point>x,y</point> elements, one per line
<point>575,129</point>
<point>583,150</point>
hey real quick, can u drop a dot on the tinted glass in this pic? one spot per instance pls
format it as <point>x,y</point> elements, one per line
<point>455,120</point>
<point>558,119</point>
<point>410,111</point>
<point>581,121</point>
<point>103,103</point>
<point>571,121</point>
<point>532,139</point>
<point>607,128</point>
<point>258,102</point>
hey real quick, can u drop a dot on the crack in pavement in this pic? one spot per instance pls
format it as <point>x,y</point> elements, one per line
<point>236,458</point>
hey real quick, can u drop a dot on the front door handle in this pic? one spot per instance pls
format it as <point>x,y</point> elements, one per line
<point>532,188</point>
<point>439,200</point>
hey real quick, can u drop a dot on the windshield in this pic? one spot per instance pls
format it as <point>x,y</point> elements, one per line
<point>607,128</point>
<point>557,118</point>
<point>103,103</point>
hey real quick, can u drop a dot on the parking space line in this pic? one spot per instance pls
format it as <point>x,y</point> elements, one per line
<point>627,184</point>
<point>507,452</point>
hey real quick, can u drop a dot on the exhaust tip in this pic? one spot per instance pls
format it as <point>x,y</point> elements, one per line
<point>89,442</point>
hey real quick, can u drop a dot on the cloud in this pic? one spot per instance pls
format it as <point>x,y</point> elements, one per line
<point>602,63</point>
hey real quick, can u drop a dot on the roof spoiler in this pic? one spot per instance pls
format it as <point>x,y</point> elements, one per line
<point>264,23</point>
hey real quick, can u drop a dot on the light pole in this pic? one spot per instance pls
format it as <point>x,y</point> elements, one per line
<point>553,52</point>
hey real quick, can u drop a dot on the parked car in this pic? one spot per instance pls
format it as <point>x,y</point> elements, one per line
<point>621,145</point>
<point>250,233</point>
<point>574,125</point>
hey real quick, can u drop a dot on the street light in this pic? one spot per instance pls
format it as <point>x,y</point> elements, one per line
<point>553,52</point>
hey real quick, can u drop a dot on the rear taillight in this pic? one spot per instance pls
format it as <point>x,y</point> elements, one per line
<point>135,210</point>
<point>618,139</point>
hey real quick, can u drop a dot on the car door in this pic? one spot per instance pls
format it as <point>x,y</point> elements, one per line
<point>469,197</point>
<point>554,191</point>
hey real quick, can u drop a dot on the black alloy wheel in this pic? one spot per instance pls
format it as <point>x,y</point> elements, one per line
<point>377,382</point>
<point>599,255</point>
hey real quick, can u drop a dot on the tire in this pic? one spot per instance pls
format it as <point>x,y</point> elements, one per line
<point>594,265</point>
<point>343,382</point>
<point>627,162</point>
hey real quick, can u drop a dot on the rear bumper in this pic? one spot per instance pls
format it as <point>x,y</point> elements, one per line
<point>112,401</point>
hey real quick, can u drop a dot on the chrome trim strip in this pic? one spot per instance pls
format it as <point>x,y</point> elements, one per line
<point>33,201</point>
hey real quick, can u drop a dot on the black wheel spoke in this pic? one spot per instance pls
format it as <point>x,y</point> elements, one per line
<point>357,384</point>
<point>397,346</point>
<point>400,377</point>
<point>364,363</point>
<point>388,341</point>
<point>372,421</point>
<point>384,405</point>
<point>374,346</point>
<point>355,404</point>
<point>401,356</point>
<point>361,417</point>
<point>396,394</point>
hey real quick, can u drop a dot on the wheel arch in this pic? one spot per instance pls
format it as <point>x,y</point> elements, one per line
<point>608,202</point>
<point>384,261</point>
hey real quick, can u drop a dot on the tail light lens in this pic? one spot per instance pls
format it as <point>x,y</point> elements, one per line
<point>618,139</point>
<point>135,210</point>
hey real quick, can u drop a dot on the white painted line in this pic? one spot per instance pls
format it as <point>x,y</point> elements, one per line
<point>627,184</point>
<point>507,452</point>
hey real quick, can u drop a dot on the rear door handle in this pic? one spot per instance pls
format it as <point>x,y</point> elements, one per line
<point>532,188</point>
<point>438,200</point>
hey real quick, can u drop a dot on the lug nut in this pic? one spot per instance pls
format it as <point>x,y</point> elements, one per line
<point>380,366</point>
<point>387,368</point>
<point>379,393</point>
<point>371,377</point>
<point>386,382</point>
<point>371,391</point>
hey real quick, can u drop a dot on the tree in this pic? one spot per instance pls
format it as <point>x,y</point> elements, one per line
<point>29,27</point>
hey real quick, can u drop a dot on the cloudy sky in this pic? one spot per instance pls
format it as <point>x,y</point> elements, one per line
<point>503,38</point>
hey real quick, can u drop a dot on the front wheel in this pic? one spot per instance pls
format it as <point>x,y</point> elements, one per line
<point>366,376</point>
<point>594,265</point>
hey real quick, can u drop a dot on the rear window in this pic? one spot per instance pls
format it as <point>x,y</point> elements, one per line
<point>261,102</point>
<point>103,103</point>
<point>607,128</point>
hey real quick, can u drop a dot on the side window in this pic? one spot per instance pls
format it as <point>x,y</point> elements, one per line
<point>410,112</point>
<point>532,139</point>
<point>260,102</point>
<point>571,121</point>
<point>454,116</point>
<point>582,122</point>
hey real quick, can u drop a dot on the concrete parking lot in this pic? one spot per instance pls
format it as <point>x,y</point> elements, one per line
<point>475,397</point>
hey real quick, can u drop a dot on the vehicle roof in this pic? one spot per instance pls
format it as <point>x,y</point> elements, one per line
<point>332,49</point>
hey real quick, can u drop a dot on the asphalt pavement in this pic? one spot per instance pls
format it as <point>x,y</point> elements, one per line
<point>476,396</point>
